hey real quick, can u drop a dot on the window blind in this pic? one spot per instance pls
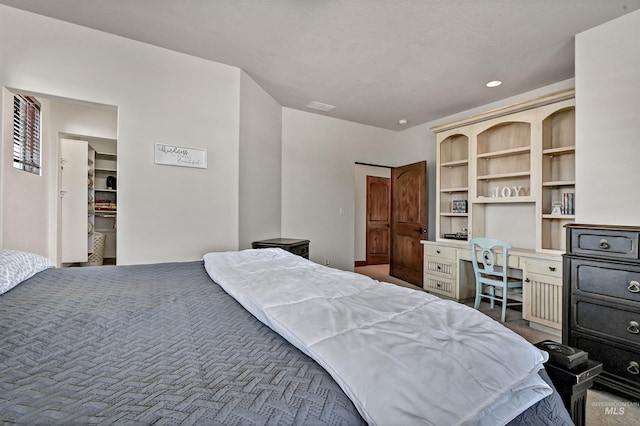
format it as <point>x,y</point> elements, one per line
<point>26,134</point>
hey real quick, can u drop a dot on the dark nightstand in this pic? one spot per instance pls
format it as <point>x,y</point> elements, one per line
<point>572,382</point>
<point>295,246</point>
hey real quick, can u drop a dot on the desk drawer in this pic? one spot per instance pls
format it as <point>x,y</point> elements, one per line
<point>439,285</point>
<point>439,267</point>
<point>441,252</point>
<point>551,268</point>
<point>622,324</point>
<point>604,243</point>
<point>514,260</point>
<point>599,278</point>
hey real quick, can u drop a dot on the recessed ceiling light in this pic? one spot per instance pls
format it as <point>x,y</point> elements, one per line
<point>402,122</point>
<point>494,83</point>
<point>320,106</point>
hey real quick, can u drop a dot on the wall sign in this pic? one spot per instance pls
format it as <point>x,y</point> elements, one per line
<point>180,156</point>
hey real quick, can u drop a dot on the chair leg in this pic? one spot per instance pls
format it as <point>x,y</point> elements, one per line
<point>504,304</point>
<point>476,305</point>
<point>492,292</point>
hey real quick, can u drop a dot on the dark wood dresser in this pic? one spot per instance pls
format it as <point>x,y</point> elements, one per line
<point>601,302</point>
<point>295,246</point>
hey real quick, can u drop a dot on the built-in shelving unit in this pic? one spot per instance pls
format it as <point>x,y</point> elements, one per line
<point>453,155</point>
<point>90,198</point>
<point>509,168</point>
<point>503,171</point>
<point>519,155</point>
<point>106,199</point>
<point>558,177</point>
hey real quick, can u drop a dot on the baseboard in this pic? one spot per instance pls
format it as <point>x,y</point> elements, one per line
<point>361,263</point>
<point>546,329</point>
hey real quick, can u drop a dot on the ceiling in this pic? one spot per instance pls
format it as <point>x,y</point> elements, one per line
<point>378,61</point>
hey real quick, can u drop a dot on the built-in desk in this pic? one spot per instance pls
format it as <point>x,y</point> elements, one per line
<point>448,272</point>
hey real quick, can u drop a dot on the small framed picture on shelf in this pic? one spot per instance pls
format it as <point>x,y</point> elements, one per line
<point>459,206</point>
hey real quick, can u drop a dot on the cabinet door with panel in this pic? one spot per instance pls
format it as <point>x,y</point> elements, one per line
<point>75,206</point>
<point>542,291</point>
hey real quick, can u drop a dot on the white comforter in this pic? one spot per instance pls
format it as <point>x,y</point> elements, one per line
<point>402,356</point>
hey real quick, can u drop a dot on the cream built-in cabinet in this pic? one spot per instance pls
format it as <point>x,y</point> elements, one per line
<point>507,174</point>
<point>106,197</point>
<point>76,169</point>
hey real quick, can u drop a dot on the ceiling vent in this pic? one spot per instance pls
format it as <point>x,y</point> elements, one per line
<point>320,106</point>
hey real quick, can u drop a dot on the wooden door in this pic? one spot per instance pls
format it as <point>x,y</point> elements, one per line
<point>408,221</point>
<point>378,219</point>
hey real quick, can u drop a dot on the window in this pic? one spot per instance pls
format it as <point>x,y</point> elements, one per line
<point>26,134</point>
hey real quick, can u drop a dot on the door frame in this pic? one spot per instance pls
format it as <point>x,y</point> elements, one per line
<point>362,219</point>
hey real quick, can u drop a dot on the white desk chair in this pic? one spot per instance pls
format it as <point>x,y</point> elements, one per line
<point>490,276</point>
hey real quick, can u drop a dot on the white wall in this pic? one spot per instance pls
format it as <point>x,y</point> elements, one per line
<point>608,123</point>
<point>360,205</point>
<point>318,185</point>
<point>260,163</point>
<point>27,227</point>
<point>165,213</point>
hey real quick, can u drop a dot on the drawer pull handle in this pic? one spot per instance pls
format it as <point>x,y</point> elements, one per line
<point>552,268</point>
<point>604,244</point>
<point>633,367</point>
<point>634,327</point>
<point>634,287</point>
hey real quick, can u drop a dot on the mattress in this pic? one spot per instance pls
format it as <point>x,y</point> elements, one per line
<point>161,344</point>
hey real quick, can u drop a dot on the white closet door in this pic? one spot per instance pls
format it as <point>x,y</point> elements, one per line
<point>74,160</point>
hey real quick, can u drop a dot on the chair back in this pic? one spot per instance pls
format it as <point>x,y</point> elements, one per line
<point>483,254</point>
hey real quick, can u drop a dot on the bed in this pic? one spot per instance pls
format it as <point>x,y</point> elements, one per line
<point>162,344</point>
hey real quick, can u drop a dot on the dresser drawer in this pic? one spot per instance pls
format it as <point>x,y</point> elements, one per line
<point>622,324</point>
<point>551,268</point>
<point>604,243</point>
<point>441,252</point>
<point>599,278</point>
<point>616,360</point>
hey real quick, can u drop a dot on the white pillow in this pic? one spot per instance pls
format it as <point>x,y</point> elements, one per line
<point>16,266</point>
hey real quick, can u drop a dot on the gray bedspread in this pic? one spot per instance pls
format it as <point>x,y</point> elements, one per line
<point>151,344</point>
<point>161,344</point>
